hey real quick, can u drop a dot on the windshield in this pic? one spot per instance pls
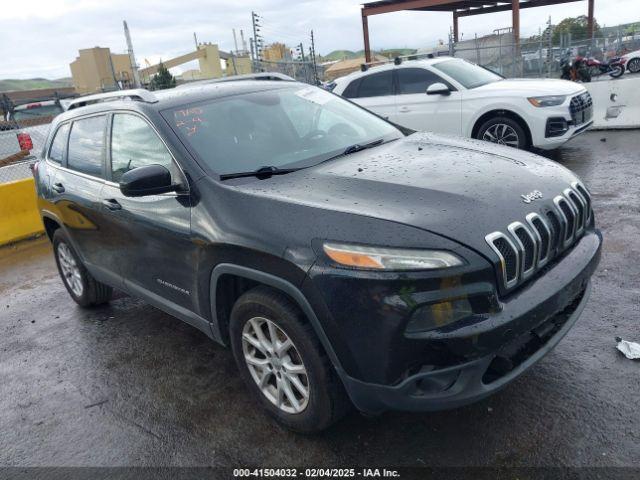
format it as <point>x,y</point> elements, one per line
<point>292,127</point>
<point>35,112</point>
<point>468,74</point>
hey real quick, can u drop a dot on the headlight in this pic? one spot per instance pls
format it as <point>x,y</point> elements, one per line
<point>379,258</point>
<point>548,101</point>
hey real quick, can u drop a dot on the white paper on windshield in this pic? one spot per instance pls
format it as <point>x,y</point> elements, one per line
<point>314,95</point>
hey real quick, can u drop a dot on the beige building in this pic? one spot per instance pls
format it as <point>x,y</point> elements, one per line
<point>97,69</point>
<point>276,52</point>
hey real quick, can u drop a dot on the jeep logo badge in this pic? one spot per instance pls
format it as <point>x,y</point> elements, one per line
<point>530,197</point>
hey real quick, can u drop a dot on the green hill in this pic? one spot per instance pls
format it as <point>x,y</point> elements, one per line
<point>33,83</point>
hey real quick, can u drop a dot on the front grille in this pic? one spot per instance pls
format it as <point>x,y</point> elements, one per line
<point>525,248</point>
<point>581,108</point>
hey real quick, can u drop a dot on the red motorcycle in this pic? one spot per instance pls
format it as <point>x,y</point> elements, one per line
<point>614,67</point>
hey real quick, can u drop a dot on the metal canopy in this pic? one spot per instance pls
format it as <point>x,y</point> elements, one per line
<point>459,8</point>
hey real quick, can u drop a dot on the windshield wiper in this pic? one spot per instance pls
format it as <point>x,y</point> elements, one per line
<point>359,147</point>
<point>261,173</point>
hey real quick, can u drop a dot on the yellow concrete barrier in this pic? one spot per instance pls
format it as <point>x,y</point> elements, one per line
<point>19,217</point>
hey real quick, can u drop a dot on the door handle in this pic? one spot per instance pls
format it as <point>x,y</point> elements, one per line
<point>112,204</point>
<point>404,109</point>
<point>58,187</point>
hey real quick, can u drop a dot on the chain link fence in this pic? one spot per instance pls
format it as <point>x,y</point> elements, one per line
<point>303,71</point>
<point>16,171</point>
<point>541,56</point>
<point>10,145</point>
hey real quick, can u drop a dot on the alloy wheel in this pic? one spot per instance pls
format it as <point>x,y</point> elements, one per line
<point>502,134</point>
<point>275,365</point>
<point>634,65</point>
<point>70,270</point>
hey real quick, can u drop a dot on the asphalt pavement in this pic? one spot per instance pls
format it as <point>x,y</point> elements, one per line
<point>128,385</point>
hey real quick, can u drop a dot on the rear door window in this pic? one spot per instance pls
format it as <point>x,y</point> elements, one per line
<point>59,144</point>
<point>352,89</point>
<point>416,80</point>
<point>376,85</point>
<point>86,145</point>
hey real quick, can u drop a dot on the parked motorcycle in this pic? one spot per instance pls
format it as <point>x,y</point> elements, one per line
<point>614,67</point>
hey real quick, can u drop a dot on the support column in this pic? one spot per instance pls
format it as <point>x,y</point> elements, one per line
<point>365,32</point>
<point>515,22</point>
<point>590,20</point>
<point>455,27</point>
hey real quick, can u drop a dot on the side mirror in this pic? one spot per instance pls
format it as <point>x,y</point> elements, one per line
<point>438,89</point>
<point>147,180</point>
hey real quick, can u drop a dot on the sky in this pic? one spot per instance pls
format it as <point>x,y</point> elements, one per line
<point>39,38</point>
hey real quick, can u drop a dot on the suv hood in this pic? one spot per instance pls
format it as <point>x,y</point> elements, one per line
<point>530,87</point>
<point>458,188</point>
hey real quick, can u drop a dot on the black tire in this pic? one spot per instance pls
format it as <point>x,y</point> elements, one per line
<point>633,65</point>
<point>616,71</point>
<point>327,400</point>
<point>93,292</point>
<point>522,142</point>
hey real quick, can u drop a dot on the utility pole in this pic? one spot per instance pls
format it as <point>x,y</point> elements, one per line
<point>257,40</point>
<point>132,58</point>
<point>300,50</point>
<point>313,59</point>
<point>195,39</point>
<point>549,47</point>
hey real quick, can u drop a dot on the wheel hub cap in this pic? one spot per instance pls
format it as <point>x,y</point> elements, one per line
<point>275,365</point>
<point>502,134</point>
<point>70,270</point>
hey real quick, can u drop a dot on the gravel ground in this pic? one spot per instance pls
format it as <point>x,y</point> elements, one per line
<point>129,385</point>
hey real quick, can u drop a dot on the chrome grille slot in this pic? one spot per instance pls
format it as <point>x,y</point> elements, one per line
<point>556,230</point>
<point>541,231</point>
<point>568,218</point>
<point>527,246</point>
<point>579,206</point>
<point>587,201</point>
<point>509,257</point>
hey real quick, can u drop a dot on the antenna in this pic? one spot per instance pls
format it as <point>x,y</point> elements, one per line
<point>132,58</point>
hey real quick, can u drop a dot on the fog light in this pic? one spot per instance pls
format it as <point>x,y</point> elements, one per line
<point>439,314</point>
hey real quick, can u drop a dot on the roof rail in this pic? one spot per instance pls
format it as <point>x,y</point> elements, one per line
<point>138,94</point>
<point>398,60</point>
<point>249,76</point>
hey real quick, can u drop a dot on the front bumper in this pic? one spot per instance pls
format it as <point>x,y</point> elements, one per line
<point>482,355</point>
<point>546,125</point>
<point>463,384</point>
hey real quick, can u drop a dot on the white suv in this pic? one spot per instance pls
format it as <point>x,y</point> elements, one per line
<point>451,95</point>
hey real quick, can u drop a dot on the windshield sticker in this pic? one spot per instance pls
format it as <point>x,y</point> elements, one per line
<point>188,120</point>
<point>314,95</point>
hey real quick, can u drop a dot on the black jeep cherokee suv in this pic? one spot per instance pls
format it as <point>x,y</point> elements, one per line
<point>345,261</point>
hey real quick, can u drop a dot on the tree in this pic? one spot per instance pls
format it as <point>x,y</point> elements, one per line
<point>162,79</point>
<point>576,26</point>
